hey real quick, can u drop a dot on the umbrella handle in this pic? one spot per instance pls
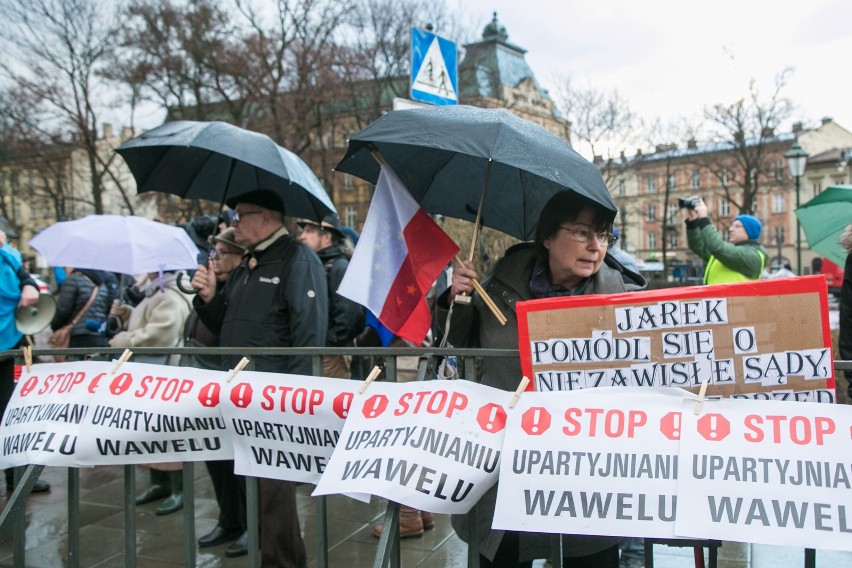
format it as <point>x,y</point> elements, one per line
<point>180,284</point>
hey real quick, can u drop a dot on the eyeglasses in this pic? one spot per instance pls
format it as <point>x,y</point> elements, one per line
<point>214,254</point>
<point>239,215</point>
<point>584,236</point>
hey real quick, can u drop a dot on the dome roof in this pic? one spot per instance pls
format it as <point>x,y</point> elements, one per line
<point>494,30</point>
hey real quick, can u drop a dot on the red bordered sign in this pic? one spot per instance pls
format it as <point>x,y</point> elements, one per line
<point>766,339</point>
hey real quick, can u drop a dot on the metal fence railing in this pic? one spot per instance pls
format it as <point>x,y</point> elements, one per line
<point>13,521</point>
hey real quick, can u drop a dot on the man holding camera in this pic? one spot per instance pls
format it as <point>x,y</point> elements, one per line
<point>739,259</point>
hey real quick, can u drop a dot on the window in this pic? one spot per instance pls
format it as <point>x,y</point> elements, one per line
<point>695,179</point>
<point>724,208</point>
<point>752,175</point>
<point>817,188</point>
<point>671,213</point>
<point>348,182</point>
<point>350,216</point>
<point>779,203</point>
<point>778,169</point>
<point>778,235</point>
<point>672,183</point>
<point>652,241</point>
<point>650,184</point>
<point>621,187</point>
<point>652,212</point>
<point>672,235</point>
<point>723,177</point>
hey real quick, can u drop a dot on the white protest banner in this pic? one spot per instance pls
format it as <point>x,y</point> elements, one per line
<point>433,445</point>
<point>763,340</point>
<point>285,426</point>
<point>155,413</point>
<point>599,462</point>
<point>767,473</point>
<point>43,418</point>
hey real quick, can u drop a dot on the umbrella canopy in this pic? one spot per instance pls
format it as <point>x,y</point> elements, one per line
<point>129,245</point>
<point>219,161</point>
<point>442,155</point>
<point>823,219</point>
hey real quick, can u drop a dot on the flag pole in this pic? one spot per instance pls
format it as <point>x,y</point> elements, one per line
<point>485,297</point>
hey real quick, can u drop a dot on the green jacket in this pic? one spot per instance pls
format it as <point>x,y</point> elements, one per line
<point>746,258</point>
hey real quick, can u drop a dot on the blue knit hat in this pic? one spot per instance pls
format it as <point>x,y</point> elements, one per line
<point>751,225</point>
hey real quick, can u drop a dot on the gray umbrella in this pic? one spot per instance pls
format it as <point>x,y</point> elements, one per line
<point>219,161</point>
<point>448,157</point>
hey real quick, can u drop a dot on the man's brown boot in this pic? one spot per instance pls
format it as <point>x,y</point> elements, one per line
<point>428,520</point>
<point>410,524</point>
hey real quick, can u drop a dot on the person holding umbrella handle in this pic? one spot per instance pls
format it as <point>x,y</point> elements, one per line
<point>567,258</point>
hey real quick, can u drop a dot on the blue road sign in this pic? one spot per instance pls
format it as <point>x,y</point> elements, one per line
<point>434,69</point>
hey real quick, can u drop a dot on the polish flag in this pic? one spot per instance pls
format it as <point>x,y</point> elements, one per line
<point>400,253</point>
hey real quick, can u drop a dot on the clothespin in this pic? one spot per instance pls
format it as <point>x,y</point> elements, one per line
<point>700,402</point>
<point>240,366</point>
<point>121,360</point>
<point>521,388</point>
<point>370,378</point>
<point>28,356</point>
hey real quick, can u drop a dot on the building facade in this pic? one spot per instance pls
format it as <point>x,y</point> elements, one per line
<point>652,223</point>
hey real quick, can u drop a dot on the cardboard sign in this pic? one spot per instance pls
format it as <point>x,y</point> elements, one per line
<point>434,446</point>
<point>599,461</point>
<point>154,413</point>
<point>285,426</point>
<point>767,473</point>
<point>765,340</point>
<point>43,419</point>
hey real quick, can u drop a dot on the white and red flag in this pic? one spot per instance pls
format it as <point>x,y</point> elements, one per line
<point>399,255</point>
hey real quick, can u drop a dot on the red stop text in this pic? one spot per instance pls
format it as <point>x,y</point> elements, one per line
<point>593,422</point>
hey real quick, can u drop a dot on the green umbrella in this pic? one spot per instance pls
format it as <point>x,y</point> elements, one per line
<point>824,218</point>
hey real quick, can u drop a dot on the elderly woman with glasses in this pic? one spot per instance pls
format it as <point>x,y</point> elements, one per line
<point>569,257</point>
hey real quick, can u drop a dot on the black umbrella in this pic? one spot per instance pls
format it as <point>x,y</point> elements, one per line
<point>220,161</point>
<point>476,164</point>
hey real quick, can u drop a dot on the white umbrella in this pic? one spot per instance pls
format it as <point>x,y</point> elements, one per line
<point>128,245</point>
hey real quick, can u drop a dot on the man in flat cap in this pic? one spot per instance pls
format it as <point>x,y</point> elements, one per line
<point>277,297</point>
<point>345,317</point>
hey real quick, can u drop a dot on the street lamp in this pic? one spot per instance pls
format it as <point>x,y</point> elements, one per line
<point>797,159</point>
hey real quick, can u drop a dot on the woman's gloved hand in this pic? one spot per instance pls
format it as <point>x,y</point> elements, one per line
<point>121,312</point>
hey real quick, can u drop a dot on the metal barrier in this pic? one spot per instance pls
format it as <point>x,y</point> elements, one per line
<point>12,518</point>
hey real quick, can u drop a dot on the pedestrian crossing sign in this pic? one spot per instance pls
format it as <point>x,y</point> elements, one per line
<point>434,69</point>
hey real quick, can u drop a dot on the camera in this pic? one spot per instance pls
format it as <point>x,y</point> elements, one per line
<point>688,202</point>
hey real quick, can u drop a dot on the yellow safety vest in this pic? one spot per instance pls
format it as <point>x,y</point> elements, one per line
<point>718,273</point>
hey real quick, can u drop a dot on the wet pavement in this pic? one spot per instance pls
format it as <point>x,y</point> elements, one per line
<point>160,539</point>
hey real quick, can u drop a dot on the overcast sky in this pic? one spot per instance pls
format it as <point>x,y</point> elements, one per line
<point>671,58</point>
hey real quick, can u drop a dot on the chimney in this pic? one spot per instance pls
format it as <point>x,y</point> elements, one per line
<point>691,144</point>
<point>598,160</point>
<point>107,130</point>
<point>797,127</point>
<point>768,132</point>
<point>827,120</point>
<point>126,133</point>
<point>638,152</point>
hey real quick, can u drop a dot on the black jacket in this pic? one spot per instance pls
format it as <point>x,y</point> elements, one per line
<point>73,295</point>
<point>277,297</point>
<point>345,317</point>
